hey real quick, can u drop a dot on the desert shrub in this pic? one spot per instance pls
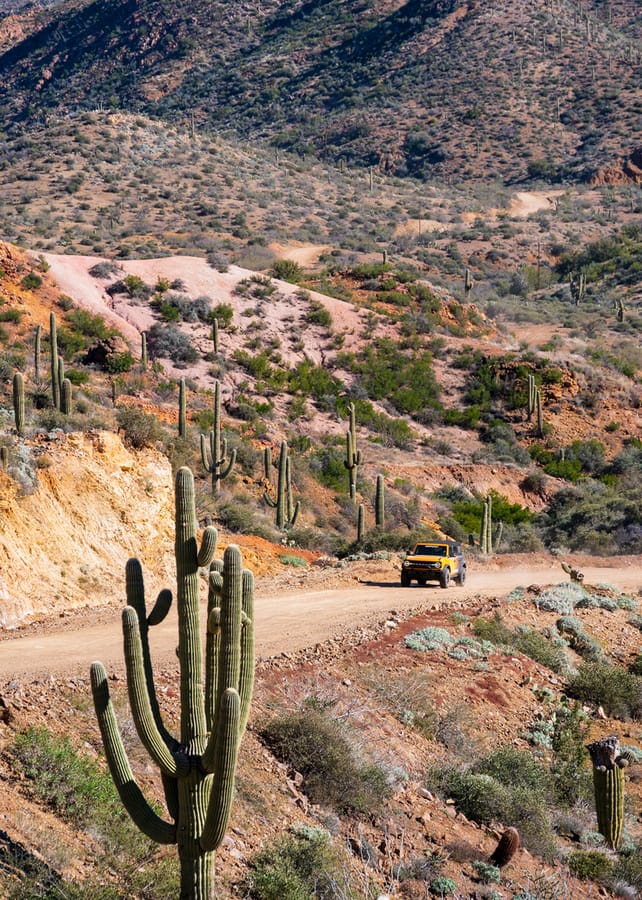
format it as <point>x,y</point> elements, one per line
<point>300,866</point>
<point>486,873</point>
<point>430,638</point>
<point>89,324</point>
<point>319,748</point>
<point>286,270</point>
<point>590,865</point>
<point>141,429</point>
<point>578,639</point>
<point>628,867</point>
<point>600,518</point>
<point>611,687</point>
<point>289,560</point>
<point>507,786</point>
<point>170,342</point>
<point>561,598</point>
<point>543,650</point>
<point>239,518</point>
<point>174,307</point>
<point>104,269</point>
<point>31,282</point>
<point>493,630</point>
<point>442,886</point>
<point>224,313</point>
<point>69,783</point>
<point>77,376</point>
<point>318,314</point>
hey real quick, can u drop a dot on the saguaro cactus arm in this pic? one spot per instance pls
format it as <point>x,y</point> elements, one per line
<point>224,765</point>
<point>151,736</point>
<point>132,797</point>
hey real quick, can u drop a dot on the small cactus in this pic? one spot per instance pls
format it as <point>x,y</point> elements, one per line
<point>66,394</point>
<point>506,848</point>
<point>532,394</point>
<point>468,282</point>
<point>36,352</point>
<point>540,413</point>
<point>578,287</point>
<point>215,459</point>
<point>287,510</point>
<point>55,370</point>
<point>215,334</point>
<point>361,515</point>
<point>486,531</point>
<point>143,351</point>
<point>19,402</point>
<point>380,503</point>
<point>353,456</point>
<point>608,786</point>
<point>182,409</point>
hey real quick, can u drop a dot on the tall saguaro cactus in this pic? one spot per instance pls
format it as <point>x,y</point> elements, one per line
<point>468,283</point>
<point>486,531</point>
<point>380,503</point>
<point>215,460</point>
<point>608,785</point>
<point>55,366</point>
<point>353,456</point>
<point>578,287</point>
<point>19,402</point>
<point>287,510</point>
<point>539,411</point>
<point>36,352</point>
<point>182,409</point>
<point>532,394</point>
<point>197,768</point>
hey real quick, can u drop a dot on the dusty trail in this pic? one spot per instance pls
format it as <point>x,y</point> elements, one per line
<point>284,623</point>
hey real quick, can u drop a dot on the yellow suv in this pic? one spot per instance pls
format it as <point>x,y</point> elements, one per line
<point>436,561</point>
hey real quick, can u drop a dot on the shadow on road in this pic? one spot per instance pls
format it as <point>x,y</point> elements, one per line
<point>395,584</point>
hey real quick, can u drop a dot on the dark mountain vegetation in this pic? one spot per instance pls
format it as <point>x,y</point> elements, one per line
<point>445,88</point>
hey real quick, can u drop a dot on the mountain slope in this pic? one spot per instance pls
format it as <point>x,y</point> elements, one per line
<point>447,88</point>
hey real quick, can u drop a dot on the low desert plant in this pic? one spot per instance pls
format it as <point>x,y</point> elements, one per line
<point>319,748</point>
<point>140,429</point>
<point>593,865</point>
<point>617,691</point>
<point>299,866</point>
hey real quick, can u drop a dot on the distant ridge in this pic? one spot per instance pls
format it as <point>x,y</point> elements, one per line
<point>454,89</point>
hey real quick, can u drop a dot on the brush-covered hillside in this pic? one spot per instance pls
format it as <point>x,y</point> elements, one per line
<point>458,90</point>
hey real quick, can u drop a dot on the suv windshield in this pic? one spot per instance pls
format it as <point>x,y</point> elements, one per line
<point>431,550</point>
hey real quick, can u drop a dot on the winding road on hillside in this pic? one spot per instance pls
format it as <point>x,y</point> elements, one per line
<point>285,622</point>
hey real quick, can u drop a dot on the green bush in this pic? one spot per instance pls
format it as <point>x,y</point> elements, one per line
<point>301,866</point>
<point>628,867</point>
<point>69,783</point>
<point>31,282</point>
<point>617,691</point>
<point>590,865</point>
<point>75,788</point>
<point>507,786</point>
<point>141,429</point>
<point>319,748</point>
<point>286,270</point>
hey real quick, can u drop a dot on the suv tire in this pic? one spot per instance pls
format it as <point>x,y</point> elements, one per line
<point>461,578</point>
<point>444,579</point>
<point>405,580</point>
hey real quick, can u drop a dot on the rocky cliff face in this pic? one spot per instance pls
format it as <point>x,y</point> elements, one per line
<point>94,504</point>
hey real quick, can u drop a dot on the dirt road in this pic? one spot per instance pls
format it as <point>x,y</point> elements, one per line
<point>285,622</point>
